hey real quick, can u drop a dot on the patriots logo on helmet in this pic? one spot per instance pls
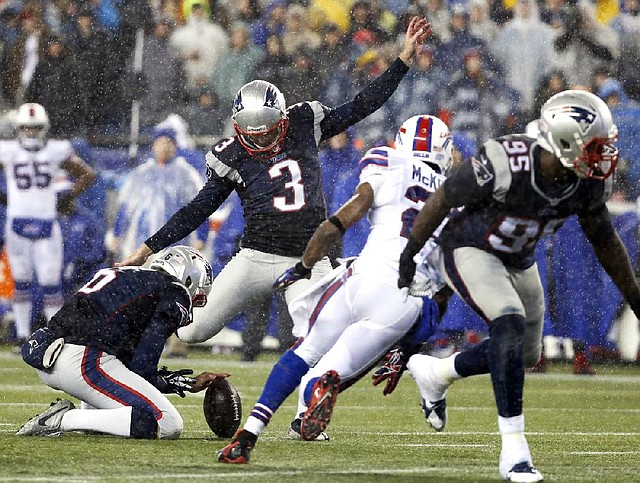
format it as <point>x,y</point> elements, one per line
<point>270,98</point>
<point>582,116</point>
<point>237,103</point>
<point>482,173</point>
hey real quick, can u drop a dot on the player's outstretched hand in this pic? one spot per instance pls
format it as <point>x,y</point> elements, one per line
<point>418,31</point>
<point>293,274</point>
<point>176,381</point>
<point>136,258</point>
<point>204,380</point>
<point>391,371</point>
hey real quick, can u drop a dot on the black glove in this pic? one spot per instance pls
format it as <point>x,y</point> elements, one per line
<point>407,267</point>
<point>293,274</point>
<point>175,381</point>
<point>391,371</point>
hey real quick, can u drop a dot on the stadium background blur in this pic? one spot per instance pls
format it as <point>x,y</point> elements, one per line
<point>101,66</point>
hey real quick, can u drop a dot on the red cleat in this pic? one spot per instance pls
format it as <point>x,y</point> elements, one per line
<point>318,415</point>
<point>239,450</point>
<point>582,366</point>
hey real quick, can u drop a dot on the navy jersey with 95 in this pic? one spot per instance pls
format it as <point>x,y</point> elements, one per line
<point>508,206</point>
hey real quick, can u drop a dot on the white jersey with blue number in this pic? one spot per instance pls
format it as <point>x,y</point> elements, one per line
<point>401,184</point>
<point>31,176</point>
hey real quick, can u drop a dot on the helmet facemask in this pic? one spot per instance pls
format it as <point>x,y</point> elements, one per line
<point>576,126</point>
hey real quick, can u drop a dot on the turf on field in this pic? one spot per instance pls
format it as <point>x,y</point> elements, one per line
<point>580,428</point>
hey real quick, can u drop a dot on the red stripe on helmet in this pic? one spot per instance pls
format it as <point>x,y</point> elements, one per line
<point>422,137</point>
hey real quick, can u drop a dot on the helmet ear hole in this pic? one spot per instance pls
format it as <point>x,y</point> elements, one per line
<point>187,282</point>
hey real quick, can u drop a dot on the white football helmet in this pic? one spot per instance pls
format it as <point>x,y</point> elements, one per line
<point>577,127</point>
<point>260,118</point>
<point>429,138</point>
<point>32,122</point>
<point>190,268</point>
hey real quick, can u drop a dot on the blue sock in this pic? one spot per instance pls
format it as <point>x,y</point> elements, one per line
<point>308,390</point>
<point>283,379</point>
<point>506,361</point>
<point>473,361</point>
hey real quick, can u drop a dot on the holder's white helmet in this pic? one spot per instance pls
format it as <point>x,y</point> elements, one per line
<point>260,118</point>
<point>190,268</point>
<point>32,122</point>
<point>429,138</point>
<point>577,127</point>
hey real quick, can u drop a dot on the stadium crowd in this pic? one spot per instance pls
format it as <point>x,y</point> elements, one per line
<point>486,70</point>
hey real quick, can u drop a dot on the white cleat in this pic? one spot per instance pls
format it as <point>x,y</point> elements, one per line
<point>48,423</point>
<point>432,387</point>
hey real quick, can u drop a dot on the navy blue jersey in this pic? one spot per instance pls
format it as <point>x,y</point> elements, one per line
<point>127,312</point>
<point>508,206</point>
<point>281,195</point>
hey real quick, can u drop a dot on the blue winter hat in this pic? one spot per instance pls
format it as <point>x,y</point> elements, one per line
<point>610,87</point>
<point>165,132</point>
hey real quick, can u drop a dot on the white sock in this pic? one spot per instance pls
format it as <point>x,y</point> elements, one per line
<point>446,369</point>
<point>515,448</point>
<point>109,421</point>
<point>254,425</point>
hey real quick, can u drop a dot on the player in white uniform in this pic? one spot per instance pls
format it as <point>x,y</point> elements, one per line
<point>351,318</point>
<point>31,164</point>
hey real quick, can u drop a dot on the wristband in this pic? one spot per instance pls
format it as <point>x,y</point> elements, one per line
<point>335,221</point>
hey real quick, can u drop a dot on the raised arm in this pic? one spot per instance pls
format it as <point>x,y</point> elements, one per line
<point>374,95</point>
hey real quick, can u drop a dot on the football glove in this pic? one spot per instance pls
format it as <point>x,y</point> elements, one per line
<point>391,371</point>
<point>407,267</point>
<point>175,381</point>
<point>293,274</point>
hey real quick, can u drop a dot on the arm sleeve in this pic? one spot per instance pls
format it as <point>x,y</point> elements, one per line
<point>366,102</point>
<point>170,313</point>
<point>471,182</point>
<point>191,216</point>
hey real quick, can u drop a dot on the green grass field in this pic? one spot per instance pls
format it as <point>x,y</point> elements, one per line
<point>579,428</point>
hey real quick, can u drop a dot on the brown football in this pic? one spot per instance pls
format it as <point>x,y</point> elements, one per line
<point>222,408</point>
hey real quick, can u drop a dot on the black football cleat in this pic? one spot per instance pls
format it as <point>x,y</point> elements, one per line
<point>323,398</point>
<point>239,450</point>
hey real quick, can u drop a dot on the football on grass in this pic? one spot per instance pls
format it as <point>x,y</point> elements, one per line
<point>222,408</point>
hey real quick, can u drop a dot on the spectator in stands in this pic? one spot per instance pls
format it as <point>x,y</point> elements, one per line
<point>250,12</point>
<point>162,81</point>
<point>480,23</point>
<point>548,86</point>
<point>478,102</point>
<point>202,113</point>
<point>301,80</point>
<point>297,32</point>
<point>54,86</point>
<point>201,43</point>
<point>450,55</point>
<point>332,51</point>
<point>152,192</point>
<point>627,25</point>
<point>272,23</point>
<point>19,60</point>
<point>585,44</point>
<point>421,89</point>
<point>235,66</point>
<point>440,17</point>
<point>98,71</point>
<point>274,64</point>
<point>524,51</point>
